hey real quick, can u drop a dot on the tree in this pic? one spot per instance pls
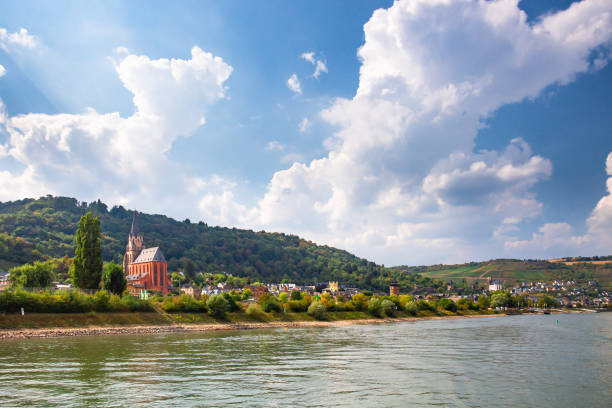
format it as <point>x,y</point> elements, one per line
<point>36,275</point>
<point>483,302</point>
<point>296,295</point>
<point>546,301</point>
<point>500,299</point>
<point>317,310</point>
<point>218,306</point>
<point>87,265</point>
<point>447,304</point>
<point>388,307</point>
<point>113,279</point>
<point>188,269</point>
<point>247,294</point>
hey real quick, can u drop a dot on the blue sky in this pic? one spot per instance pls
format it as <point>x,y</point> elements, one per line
<point>485,143</point>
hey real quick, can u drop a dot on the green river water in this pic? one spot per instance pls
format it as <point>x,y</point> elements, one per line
<point>515,361</point>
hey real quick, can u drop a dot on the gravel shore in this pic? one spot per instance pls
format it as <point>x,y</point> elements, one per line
<point>101,331</point>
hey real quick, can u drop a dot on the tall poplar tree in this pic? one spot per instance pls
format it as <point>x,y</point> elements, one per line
<point>87,264</point>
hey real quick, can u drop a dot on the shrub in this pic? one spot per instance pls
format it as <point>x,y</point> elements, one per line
<point>360,302</point>
<point>411,307</point>
<point>271,305</point>
<point>388,307</point>
<point>464,304</point>
<point>404,300</point>
<point>375,307</point>
<point>255,311</point>
<point>101,301</point>
<point>217,306</point>
<point>317,310</point>
<point>447,304</point>
<point>298,306</point>
<point>183,303</point>
<point>483,302</point>
<point>424,305</point>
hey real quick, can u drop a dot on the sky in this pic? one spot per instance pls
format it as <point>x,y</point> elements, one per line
<point>407,132</point>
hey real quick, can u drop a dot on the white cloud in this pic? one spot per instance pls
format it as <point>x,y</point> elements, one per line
<point>21,38</point>
<point>293,83</point>
<point>401,182</point>
<point>308,56</point>
<point>123,158</point>
<point>274,145</point>
<point>320,65</point>
<point>304,125</point>
<point>2,70</point>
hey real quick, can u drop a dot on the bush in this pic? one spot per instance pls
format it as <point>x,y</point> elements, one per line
<point>411,307</point>
<point>464,304</point>
<point>317,310</point>
<point>388,307</point>
<point>424,305</point>
<point>360,302</point>
<point>375,307</point>
<point>483,302</point>
<point>73,301</point>
<point>183,303</point>
<point>101,301</point>
<point>298,306</point>
<point>233,306</point>
<point>255,311</point>
<point>217,306</point>
<point>272,305</point>
<point>447,304</point>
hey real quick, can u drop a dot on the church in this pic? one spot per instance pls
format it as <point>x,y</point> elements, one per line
<point>144,268</point>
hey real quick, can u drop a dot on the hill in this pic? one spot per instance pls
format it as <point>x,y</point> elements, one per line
<point>37,229</point>
<point>511,271</point>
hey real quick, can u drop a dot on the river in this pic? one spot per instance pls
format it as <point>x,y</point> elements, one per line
<point>514,361</point>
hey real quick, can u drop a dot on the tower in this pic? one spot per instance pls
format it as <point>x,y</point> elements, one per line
<point>394,288</point>
<point>134,245</point>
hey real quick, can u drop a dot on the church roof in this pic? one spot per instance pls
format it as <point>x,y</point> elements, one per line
<point>150,255</point>
<point>135,230</point>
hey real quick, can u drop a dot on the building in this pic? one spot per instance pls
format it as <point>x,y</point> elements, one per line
<point>394,288</point>
<point>191,291</point>
<point>4,280</point>
<point>333,287</point>
<point>494,285</point>
<point>144,268</point>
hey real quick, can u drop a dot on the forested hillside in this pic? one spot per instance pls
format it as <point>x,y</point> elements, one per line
<point>44,228</point>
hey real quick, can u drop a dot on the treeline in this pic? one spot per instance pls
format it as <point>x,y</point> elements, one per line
<point>44,228</point>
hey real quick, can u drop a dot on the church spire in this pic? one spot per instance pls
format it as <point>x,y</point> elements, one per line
<point>135,230</point>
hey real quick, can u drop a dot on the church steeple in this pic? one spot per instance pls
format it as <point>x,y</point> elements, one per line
<point>134,245</point>
<point>135,230</point>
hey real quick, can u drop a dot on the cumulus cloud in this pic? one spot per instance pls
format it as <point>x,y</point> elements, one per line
<point>293,83</point>
<point>2,70</point>
<point>122,159</point>
<point>401,182</point>
<point>319,64</point>
<point>20,38</point>
<point>304,125</point>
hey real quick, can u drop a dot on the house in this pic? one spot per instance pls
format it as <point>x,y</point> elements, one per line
<point>191,291</point>
<point>258,291</point>
<point>4,280</point>
<point>494,285</point>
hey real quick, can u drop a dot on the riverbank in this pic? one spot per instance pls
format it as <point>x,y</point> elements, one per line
<point>166,327</point>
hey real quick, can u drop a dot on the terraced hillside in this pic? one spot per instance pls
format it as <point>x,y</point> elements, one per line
<point>511,271</point>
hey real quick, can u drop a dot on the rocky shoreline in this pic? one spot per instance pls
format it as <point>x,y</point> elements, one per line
<point>177,328</point>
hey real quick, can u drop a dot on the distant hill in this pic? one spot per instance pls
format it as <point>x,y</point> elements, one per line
<point>511,271</point>
<point>36,229</point>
